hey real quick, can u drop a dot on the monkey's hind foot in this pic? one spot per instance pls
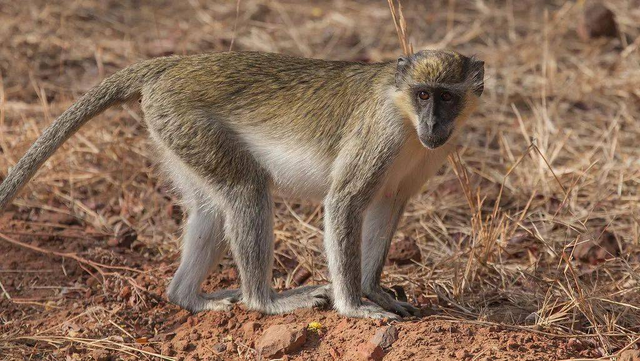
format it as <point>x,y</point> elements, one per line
<point>290,300</point>
<point>368,310</point>
<point>217,301</point>
<point>386,301</point>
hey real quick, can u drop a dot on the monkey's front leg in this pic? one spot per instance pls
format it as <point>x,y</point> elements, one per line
<point>381,221</point>
<point>343,229</point>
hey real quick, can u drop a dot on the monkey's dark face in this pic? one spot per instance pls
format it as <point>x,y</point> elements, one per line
<point>437,109</point>
<point>439,88</point>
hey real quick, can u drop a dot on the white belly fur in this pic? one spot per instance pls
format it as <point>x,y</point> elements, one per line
<point>296,170</point>
<point>300,171</point>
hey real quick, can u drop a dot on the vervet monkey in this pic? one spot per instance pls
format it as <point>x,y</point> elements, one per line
<point>234,127</point>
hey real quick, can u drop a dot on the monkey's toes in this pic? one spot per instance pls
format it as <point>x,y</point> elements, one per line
<point>231,295</point>
<point>369,310</point>
<point>388,303</point>
<point>217,305</point>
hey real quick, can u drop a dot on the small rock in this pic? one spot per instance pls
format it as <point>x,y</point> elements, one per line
<point>520,244</point>
<point>92,281</point>
<point>462,355</point>
<point>369,352</point>
<point>281,339</point>
<point>100,355</point>
<point>231,324</point>
<point>164,337</point>
<point>250,328</point>
<point>598,249</point>
<point>301,276</point>
<point>513,344</point>
<point>219,348</point>
<point>385,337</point>
<point>126,236</point>
<point>575,344</point>
<point>335,354</point>
<point>630,355</point>
<point>125,292</point>
<point>404,252</point>
<point>182,345</point>
<point>61,218</point>
<point>230,346</point>
<point>597,21</point>
<point>167,350</point>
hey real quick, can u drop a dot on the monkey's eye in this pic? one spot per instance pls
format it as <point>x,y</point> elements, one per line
<point>423,95</point>
<point>446,96</point>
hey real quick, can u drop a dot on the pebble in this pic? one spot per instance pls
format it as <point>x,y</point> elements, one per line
<point>182,345</point>
<point>100,355</point>
<point>385,337</point>
<point>369,352</point>
<point>462,355</point>
<point>249,328</point>
<point>279,340</point>
<point>597,21</point>
<point>219,347</point>
<point>125,292</point>
<point>167,350</point>
<point>598,249</point>
<point>575,344</point>
<point>301,276</point>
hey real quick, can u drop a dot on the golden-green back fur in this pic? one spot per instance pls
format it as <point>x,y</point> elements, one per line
<point>286,96</point>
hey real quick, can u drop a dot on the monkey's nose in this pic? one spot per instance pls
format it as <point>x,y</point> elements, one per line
<point>431,126</point>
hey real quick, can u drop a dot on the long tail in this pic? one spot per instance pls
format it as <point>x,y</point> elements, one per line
<point>122,86</point>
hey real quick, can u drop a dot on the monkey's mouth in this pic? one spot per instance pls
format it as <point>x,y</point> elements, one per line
<point>433,141</point>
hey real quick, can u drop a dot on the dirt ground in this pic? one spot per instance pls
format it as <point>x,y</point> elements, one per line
<point>65,314</point>
<point>525,248</point>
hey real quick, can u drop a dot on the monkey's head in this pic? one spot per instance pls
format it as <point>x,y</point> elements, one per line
<point>437,90</point>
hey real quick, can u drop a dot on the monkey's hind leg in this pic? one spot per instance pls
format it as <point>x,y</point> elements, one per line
<point>203,248</point>
<point>249,227</point>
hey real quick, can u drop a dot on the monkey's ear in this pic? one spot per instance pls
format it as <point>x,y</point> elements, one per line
<point>476,74</point>
<point>401,70</point>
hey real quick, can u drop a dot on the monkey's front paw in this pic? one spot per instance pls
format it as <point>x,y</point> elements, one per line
<point>387,302</point>
<point>368,310</point>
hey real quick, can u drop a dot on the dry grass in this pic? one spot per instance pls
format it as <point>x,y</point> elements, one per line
<point>550,161</point>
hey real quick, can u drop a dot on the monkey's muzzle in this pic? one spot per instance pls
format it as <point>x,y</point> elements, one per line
<point>434,139</point>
